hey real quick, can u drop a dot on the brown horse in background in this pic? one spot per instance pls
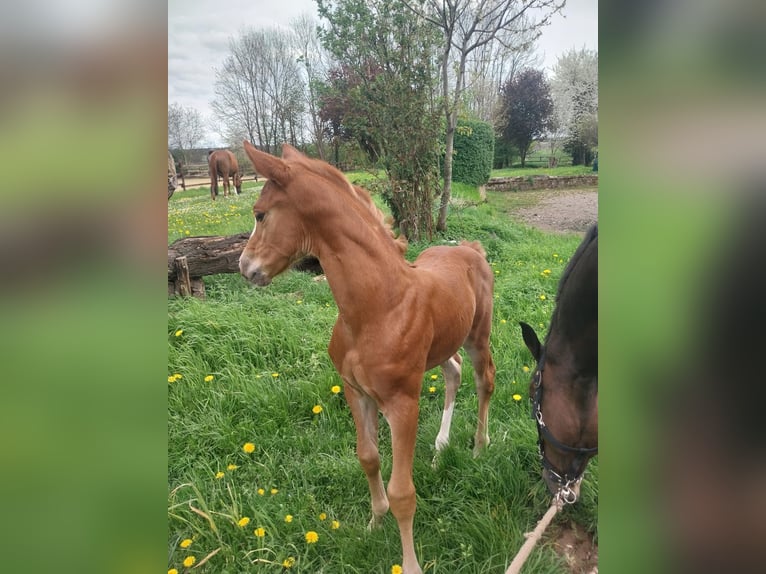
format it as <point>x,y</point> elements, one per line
<point>396,319</point>
<point>223,163</point>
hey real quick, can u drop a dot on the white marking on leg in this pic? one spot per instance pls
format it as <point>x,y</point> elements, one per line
<point>451,371</point>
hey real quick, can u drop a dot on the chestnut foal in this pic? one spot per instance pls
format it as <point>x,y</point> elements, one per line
<point>395,319</point>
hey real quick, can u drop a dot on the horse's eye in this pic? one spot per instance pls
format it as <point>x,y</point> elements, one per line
<point>259,216</point>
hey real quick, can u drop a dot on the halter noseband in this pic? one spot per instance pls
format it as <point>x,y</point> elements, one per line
<point>565,481</point>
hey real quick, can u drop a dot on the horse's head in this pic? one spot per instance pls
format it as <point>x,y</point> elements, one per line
<point>238,182</point>
<point>565,411</point>
<point>278,237</point>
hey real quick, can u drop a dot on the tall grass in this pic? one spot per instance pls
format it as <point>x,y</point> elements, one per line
<point>263,353</point>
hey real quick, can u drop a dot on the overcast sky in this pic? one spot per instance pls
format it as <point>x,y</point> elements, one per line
<point>199,32</point>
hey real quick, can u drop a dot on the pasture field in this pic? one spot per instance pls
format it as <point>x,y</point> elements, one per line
<point>261,446</point>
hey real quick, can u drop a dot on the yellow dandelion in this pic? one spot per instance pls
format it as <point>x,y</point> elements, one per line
<point>219,475</point>
<point>189,561</point>
<point>335,389</point>
<point>525,369</point>
<point>322,516</point>
<point>431,389</point>
<point>547,271</point>
<point>231,467</point>
<point>516,397</point>
<point>335,525</point>
<point>288,518</point>
<point>209,378</point>
<point>274,491</point>
<point>555,254</point>
<point>497,272</point>
<point>434,377</point>
<point>317,409</point>
<point>503,321</point>
<point>312,537</point>
<point>248,447</point>
<point>186,542</point>
<point>275,375</point>
<point>261,492</point>
<point>396,569</point>
<point>172,571</point>
<point>288,562</point>
<point>244,521</point>
<point>543,297</point>
<point>171,379</point>
<point>299,301</point>
<point>260,532</point>
<point>179,332</point>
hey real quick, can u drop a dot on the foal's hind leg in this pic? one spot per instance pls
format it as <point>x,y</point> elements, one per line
<point>484,373</point>
<point>451,370</point>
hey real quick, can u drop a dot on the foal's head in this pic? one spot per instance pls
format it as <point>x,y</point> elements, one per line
<point>301,197</point>
<point>279,236</point>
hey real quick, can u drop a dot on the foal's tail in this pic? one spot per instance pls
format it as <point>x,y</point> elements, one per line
<point>476,246</point>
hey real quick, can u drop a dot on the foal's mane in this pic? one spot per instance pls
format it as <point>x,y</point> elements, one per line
<point>356,196</point>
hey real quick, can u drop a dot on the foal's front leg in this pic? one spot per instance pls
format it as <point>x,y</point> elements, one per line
<point>365,413</point>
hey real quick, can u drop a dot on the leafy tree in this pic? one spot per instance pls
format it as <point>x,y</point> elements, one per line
<point>467,26</point>
<point>382,95</point>
<point>528,109</point>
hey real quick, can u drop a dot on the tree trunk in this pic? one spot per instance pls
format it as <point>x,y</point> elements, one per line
<point>191,258</point>
<point>441,225</point>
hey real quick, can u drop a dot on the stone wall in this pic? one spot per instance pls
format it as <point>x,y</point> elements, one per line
<point>525,183</point>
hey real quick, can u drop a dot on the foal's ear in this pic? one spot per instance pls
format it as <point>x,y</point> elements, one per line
<point>267,165</point>
<point>531,340</point>
<point>289,152</point>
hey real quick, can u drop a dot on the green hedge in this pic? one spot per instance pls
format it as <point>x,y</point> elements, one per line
<point>474,152</point>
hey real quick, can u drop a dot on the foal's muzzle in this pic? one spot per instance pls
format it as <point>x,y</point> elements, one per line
<point>252,272</point>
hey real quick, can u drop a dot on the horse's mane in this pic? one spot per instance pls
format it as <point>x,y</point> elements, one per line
<point>359,196</point>
<point>590,236</point>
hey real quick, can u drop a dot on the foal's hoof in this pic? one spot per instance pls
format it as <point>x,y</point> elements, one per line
<point>375,523</point>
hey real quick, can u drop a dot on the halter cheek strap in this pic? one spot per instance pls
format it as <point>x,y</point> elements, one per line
<point>566,480</point>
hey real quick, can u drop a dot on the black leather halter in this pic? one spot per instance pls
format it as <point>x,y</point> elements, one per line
<point>565,480</point>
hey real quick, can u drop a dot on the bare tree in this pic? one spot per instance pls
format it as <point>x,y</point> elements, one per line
<point>495,64</point>
<point>259,90</point>
<point>186,129</point>
<point>313,59</point>
<point>466,26</point>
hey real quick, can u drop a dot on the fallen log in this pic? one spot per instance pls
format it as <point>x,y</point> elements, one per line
<point>191,258</point>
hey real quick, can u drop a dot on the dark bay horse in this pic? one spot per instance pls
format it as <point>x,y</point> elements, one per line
<point>395,319</point>
<point>564,386</point>
<point>223,163</point>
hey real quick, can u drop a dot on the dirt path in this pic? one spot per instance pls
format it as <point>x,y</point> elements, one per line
<point>561,211</point>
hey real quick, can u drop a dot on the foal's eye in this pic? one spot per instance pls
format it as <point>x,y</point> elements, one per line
<point>259,216</point>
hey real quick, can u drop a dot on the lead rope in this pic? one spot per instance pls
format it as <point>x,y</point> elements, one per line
<point>534,536</point>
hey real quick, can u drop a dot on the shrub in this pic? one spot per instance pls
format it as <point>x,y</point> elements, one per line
<point>474,152</point>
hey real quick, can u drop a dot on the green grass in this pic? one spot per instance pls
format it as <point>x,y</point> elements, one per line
<point>266,350</point>
<point>530,171</point>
